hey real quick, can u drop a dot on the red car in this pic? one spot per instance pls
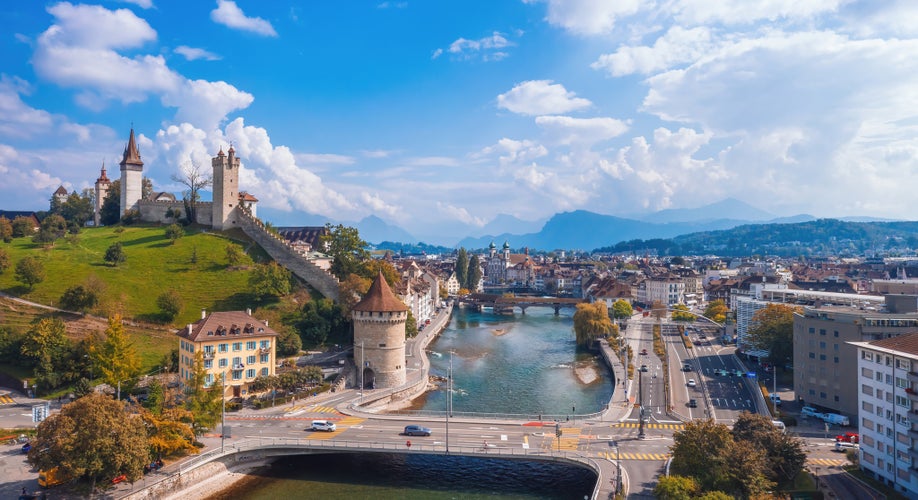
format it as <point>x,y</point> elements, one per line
<point>643,352</point>
<point>848,437</point>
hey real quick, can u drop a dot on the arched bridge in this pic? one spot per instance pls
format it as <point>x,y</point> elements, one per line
<point>506,303</point>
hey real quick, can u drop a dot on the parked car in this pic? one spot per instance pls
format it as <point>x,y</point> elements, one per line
<point>643,368</point>
<point>416,430</point>
<point>323,425</point>
<point>842,446</point>
<point>686,367</point>
<point>643,352</point>
<point>691,382</point>
<point>849,437</point>
<point>26,447</point>
<point>809,411</point>
<point>775,399</point>
<point>692,403</point>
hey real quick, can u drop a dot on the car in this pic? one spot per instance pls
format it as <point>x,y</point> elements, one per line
<point>643,352</point>
<point>323,425</point>
<point>691,382</point>
<point>692,403</point>
<point>842,446</point>
<point>686,367</point>
<point>718,371</point>
<point>26,447</point>
<point>643,368</point>
<point>809,411</point>
<point>849,437</point>
<point>416,430</point>
<point>775,399</point>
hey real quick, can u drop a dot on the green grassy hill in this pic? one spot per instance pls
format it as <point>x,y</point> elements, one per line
<point>153,265</point>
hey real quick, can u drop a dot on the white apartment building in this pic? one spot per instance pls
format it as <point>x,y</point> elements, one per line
<point>668,290</point>
<point>888,410</point>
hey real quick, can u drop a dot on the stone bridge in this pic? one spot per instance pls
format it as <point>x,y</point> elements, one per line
<point>506,303</point>
<point>284,254</point>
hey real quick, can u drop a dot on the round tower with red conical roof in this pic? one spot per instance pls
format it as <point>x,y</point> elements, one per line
<point>379,337</point>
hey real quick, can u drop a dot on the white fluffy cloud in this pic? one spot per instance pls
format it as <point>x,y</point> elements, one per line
<point>230,15</point>
<point>568,130</point>
<point>193,53</point>
<point>489,48</point>
<point>540,97</point>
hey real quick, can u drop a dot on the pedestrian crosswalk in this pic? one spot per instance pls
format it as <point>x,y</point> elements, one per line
<point>635,425</point>
<point>828,462</point>
<point>6,399</point>
<point>609,455</point>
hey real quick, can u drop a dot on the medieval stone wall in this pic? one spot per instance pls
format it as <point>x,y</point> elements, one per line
<point>286,256</point>
<point>155,211</point>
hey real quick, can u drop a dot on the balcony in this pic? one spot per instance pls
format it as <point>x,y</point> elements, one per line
<point>913,433</point>
<point>912,377</point>
<point>913,452</point>
<point>208,355</point>
<point>238,367</point>
<point>265,350</point>
<point>912,394</point>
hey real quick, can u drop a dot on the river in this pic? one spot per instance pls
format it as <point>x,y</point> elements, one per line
<point>507,364</point>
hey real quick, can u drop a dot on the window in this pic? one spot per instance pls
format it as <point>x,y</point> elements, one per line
<point>822,357</point>
<point>812,330</point>
<point>223,347</point>
<point>237,374</point>
<point>822,395</point>
<point>868,407</point>
<point>222,363</point>
<point>265,344</point>
<point>822,331</point>
<point>822,345</point>
<point>836,333</point>
<point>264,358</point>
<point>812,355</point>
<point>902,401</point>
<point>209,379</point>
<point>264,372</point>
<point>237,361</point>
<point>250,346</point>
<point>237,346</point>
<point>867,355</point>
<point>250,373</point>
<point>836,359</point>
<point>901,382</point>
<point>250,360</point>
<point>208,364</point>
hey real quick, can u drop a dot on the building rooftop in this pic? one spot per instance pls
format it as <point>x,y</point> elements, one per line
<point>379,298</point>
<point>906,343</point>
<point>226,325</point>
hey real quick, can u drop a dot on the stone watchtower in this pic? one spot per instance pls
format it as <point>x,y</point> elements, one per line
<point>226,189</point>
<point>379,337</point>
<point>131,176</point>
<point>102,185</point>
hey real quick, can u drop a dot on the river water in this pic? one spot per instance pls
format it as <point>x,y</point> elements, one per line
<point>508,364</point>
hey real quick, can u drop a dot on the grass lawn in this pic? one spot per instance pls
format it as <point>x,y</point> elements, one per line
<point>153,266</point>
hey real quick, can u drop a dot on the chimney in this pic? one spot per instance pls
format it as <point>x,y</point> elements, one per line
<point>203,313</point>
<point>248,311</point>
<point>189,328</point>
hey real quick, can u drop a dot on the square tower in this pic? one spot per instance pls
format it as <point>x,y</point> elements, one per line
<point>226,189</point>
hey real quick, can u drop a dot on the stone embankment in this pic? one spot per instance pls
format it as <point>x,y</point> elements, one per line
<point>284,254</point>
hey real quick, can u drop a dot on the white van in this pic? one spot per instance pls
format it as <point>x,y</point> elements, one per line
<point>836,419</point>
<point>842,446</point>
<point>809,411</point>
<point>779,425</point>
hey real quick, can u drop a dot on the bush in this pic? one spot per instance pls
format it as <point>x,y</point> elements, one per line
<point>170,304</point>
<point>114,255</point>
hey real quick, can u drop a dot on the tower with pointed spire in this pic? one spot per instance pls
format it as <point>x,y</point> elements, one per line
<point>226,189</point>
<point>102,185</point>
<point>379,337</point>
<point>131,176</point>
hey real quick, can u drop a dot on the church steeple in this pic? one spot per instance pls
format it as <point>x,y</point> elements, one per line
<point>131,153</point>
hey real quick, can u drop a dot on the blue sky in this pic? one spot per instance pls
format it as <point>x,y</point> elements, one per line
<point>439,115</point>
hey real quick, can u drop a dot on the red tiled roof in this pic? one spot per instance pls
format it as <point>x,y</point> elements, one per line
<point>379,298</point>
<point>907,343</point>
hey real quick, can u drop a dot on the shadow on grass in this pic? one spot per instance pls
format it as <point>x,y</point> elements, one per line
<point>145,240</point>
<point>157,318</point>
<point>240,301</point>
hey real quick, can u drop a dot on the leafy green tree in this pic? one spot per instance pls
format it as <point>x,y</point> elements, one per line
<point>591,321</point>
<point>411,325</point>
<point>82,388</point>
<point>92,438</point>
<point>4,260</point>
<point>45,345</point>
<point>699,451</point>
<point>76,209</point>
<point>462,268</point>
<point>318,320</point>
<point>744,471</point>
<point>169,304</point>
<point>373,267</point>
<point>78,298</point>
<point>236,256</point>
<point>676,488</point>
<point>474,272</point>
<point>621,309</point>
<point>772,330</point>
<point>53,227</point>
<point>204,403</point>
<point>6,230</point>
<point>30,271</point>
<point>174,232</point>
<point>716,310</point>
<point>22,226</point>
<point>681,313</point>
<point>288,343</point>
<point>347,250</point>
<point>115,255</point>
<point>116,358</point>
<point>110,212</point>
<point>784,453</point>
<point>269,280</point>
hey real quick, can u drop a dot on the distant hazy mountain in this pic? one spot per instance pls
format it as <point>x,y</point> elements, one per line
<point>504,223</point>
<point>375,230</point>
<point>735,209</point>
<point>793,219</point>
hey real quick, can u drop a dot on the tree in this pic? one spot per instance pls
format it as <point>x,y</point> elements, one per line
<point>169,303</point>
<point>591,321</point>
<point>699,451</point>
<point>168,432</point>
<point>288,343</point>
<point>772,330</point>
<point>30,271</point>
<point>474,272</point>
<point>22,226</point>
<point>318,320</point>
<point>347,249</point>
<point>52,228</point>
<point>202,400</point>
<point>462,268</point>
<point>676,488</point>
<point>621,309</point>
<point>116,359</point>
<point>375,266</point>
<point>146,188</point>
<point>681,313</point>
<point>91,438</point>
<point>350,291</point>
<point>110,212</point>
<point>174,232</point>
<point>6,230</point>
<point>411,325</point>
<point>236,256</point>
<point>269,280</point>
<point>195,178</point>
<point>4,260</point>
<point>115,255</point>
<point>78,298</point>
<point>716,310</point>
<point>45,346</point>
<point>76,209</point>
<point>784,454</point>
